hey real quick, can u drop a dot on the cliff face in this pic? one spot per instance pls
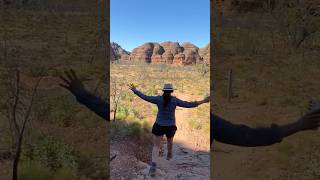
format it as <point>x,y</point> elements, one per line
<point>117,52</point>
<point>169,53</point>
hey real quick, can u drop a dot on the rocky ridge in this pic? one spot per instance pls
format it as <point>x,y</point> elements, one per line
<point>163,53</point>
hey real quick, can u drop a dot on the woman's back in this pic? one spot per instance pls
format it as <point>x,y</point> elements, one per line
<point>166,113</point>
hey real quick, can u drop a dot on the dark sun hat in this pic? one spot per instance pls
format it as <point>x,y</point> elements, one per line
<point>168,87</point>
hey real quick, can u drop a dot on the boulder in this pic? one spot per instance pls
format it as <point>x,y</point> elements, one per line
<point>167,57</point>
<point>189,47</point>
<point>156,59</point>
<point>142,53</point>
<point>191,57</point>
<point>173,47</point>
<point>204,53</point>
<point>158,49</point>
<point>179,59</point>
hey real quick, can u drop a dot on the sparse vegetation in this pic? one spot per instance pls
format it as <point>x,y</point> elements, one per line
<point>50,153</point>
<point>137,116</point>
<point>276,73</point>
<point>39,40</point>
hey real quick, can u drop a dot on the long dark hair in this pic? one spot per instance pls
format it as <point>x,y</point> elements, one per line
<point>166,98</point>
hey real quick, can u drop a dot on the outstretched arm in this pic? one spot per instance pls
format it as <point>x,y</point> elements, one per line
<point>95,104</point>
<point>187,104</point>
<point>75,86</point>
<point>241,135</point>
<point>151,99</point>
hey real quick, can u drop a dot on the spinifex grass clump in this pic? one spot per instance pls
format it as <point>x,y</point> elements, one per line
<point>51,153</point>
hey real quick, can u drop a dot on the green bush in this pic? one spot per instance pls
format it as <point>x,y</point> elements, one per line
<point>55,72</point>
<point>35,171</point>
<point>121,115</point>
<point>134,129</point>
<point>146,124</point>
<point>63,110</point>
<point>65,174</point>
<point>126,113</point>
<point>50,153</point>
<point>37,71</point>
<point>56,108</point>
<point>130,129</point>
<point>128,96</point>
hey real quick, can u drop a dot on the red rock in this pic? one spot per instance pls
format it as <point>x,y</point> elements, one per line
<point>173,47</point>
<point>142,53</point>
<point>179,59</point>
<point>117,52</point>
<point>205,54</point>
<point>191,57</point>
<point>156,59</point>
<point>167,57</point>
<point>158,49</point>
<point>189,47</point>
<point>164,53</point>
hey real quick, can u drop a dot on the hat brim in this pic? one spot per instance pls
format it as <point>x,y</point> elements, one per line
<point>168,89</point>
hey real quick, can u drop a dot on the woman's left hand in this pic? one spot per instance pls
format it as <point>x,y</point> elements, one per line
<point>206,100</point>
<point>310,121</point>
<point>72,83</point>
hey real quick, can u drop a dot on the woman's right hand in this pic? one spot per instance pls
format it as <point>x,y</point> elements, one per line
<point>132,87</point>
<point>72,83</point>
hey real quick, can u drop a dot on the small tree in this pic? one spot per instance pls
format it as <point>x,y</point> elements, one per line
<point>19,108</point>
<point>116,94</point>
<point>19,100</point>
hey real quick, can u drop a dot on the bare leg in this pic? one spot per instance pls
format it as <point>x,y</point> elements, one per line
<point>155,155</point>
<point>161,152</point>
<point>169,147</point>
<point>156,148</point>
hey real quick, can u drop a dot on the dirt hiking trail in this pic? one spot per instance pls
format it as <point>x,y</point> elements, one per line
<point>191,160</point>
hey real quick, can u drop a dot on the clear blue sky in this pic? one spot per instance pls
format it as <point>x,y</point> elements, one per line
<point>134,22</point>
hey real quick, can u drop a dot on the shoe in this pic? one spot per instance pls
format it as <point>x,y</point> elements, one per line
<point>153,168</point>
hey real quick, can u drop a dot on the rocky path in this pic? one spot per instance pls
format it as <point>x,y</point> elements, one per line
<point>186,164</point>
<point>189,162</point>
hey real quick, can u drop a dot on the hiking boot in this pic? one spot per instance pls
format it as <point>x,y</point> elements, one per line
<point>153,168</point>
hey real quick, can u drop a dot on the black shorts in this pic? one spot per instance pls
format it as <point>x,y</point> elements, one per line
<point>159,130</point>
